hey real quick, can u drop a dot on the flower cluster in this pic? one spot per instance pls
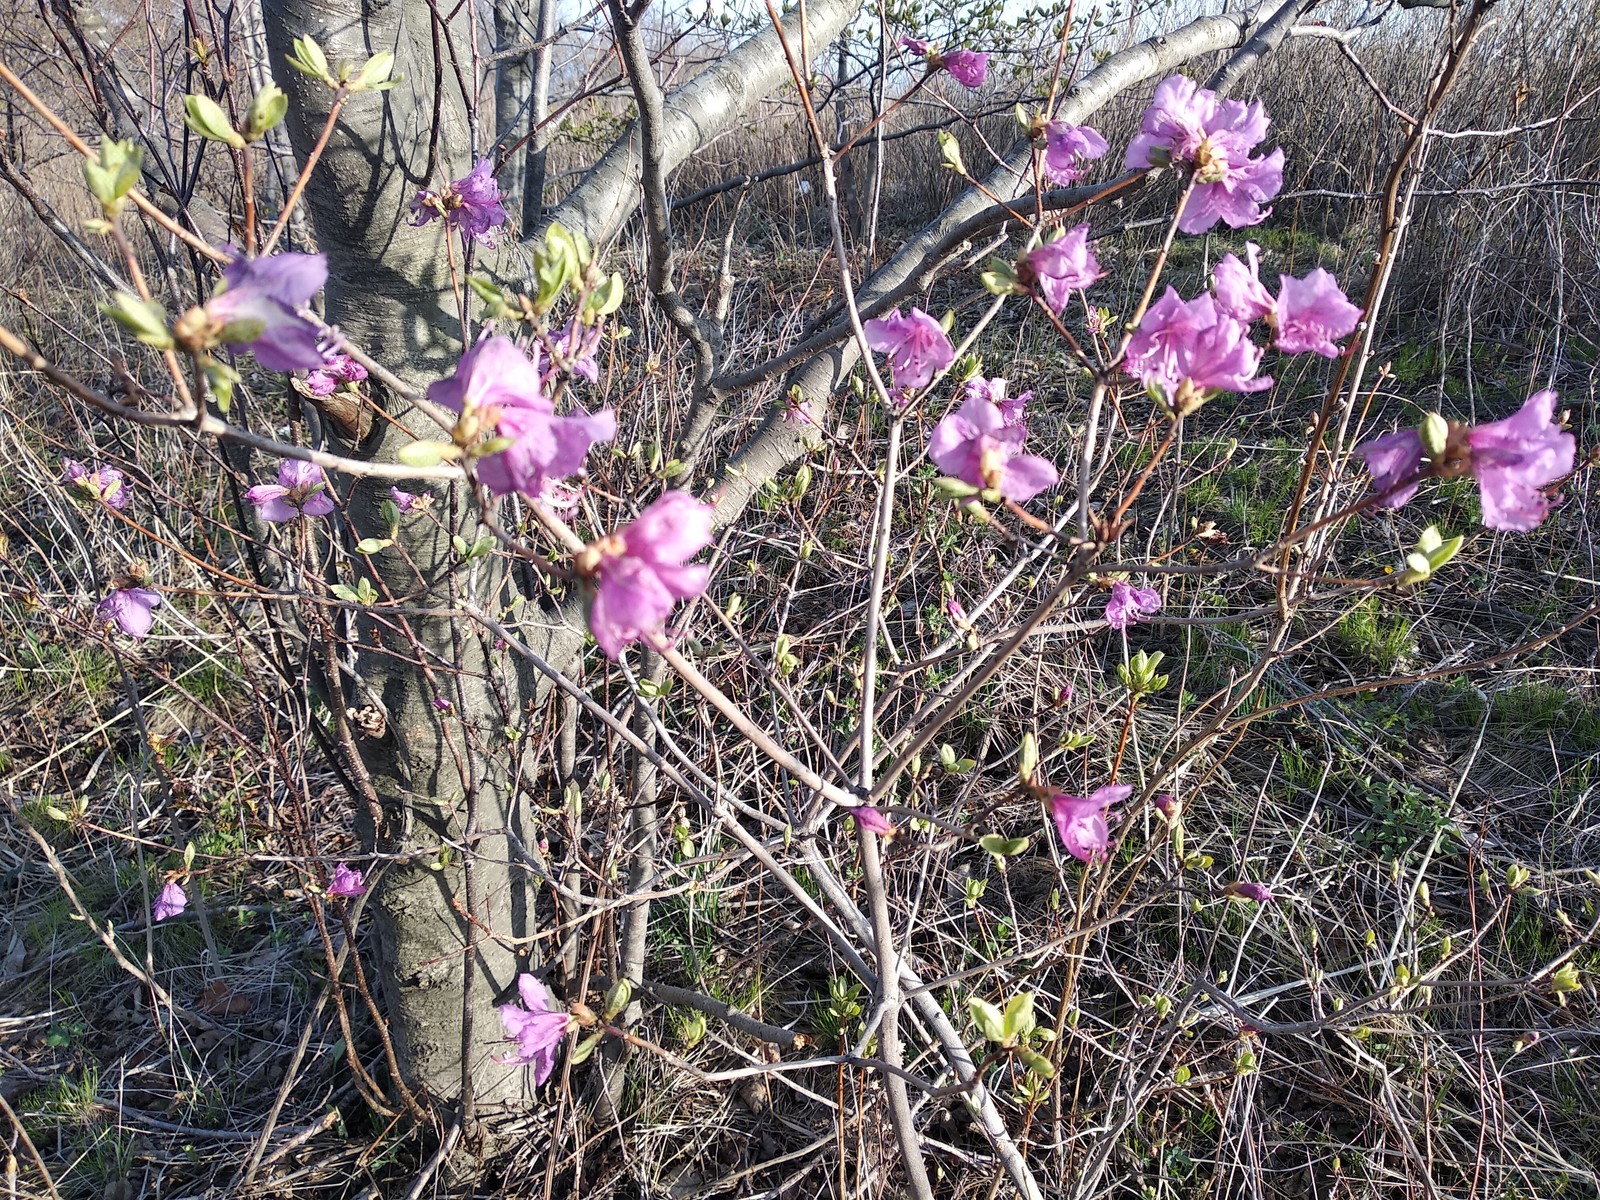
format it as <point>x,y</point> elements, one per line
<point>1187,351</point>
<point>301,490</point>
<point>969,68</point>
<point>1308,315</point>
<point>1191,126</point>
<point>536,1025</point>
<point>640,572</point>
<point>470,205</point>
<point>1513,460</point>
<point>917,346</point>
<point>980,446</point>
<point>337,370</point>
<point>497,387</point>
<point>104,484</point>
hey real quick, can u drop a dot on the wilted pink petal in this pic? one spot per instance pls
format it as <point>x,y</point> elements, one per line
<point>1167,806</point>
<point>1128,604</point>
<point>404,501</point>
<point>917,346</point>
<point>1244,890</point>
<point>172,901</point>
<point>1080,821</point>
<point>345,882</point>
<point>641,570</point>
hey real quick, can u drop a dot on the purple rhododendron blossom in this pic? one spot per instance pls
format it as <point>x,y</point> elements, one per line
<point>969,68</point>
<point>1065,146</point>
<point>1129,604</point>
<point>336,370</point>
<point>871,820</point>
<point>104,483</point>
<point>1192,126</point>
<point>1245,890</point>
<point>1059,268</point>
<point>1081,820</point>
<point>172,901</point>
<point>1514,459</point>
<point>256,309</point>
<point>575,350</point>
<point>536,1025</point>
<point>1168,807</point>
<point>301,490</point>
<point>499,382</point>
<point>1308,314</point>
<point>404,501</point>
<point>1013,409</point>
<point>1395,463</point>
<point>1189,350</point>
<point>470,205</point>
<point>346,882</point>
<point>917,347</point>
<point>130,609</point>
<point>642,572</point>
<point>975,445</point>
<point>916,45</point>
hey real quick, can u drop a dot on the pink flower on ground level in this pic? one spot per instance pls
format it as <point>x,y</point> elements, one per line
<point>1513,460</point>
<point>1057,269</point>
<point>1081,820</point>
<point>1129,604</point>
<point>496,382</point>
<point>872,821</point>
<point>256,309</point>
<point>641,570</point>
<point>130,609</point>
<point>1244,890</point>
<point>917,346</point>
<point>105,484</point>
<point>470,204</point>
<point>301,490</point>
<point>172,901</point>
<point>975,445</point>
<point>536,1025</point>
<point>345,882</point>
<point>1308,315</point>
<point>1065,146</point>
<point>1192,126</point>
<point>1189,350</point>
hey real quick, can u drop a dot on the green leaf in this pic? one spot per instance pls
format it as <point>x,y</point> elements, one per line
<point>1019,1018</point>
<point>586,1047</point>
<point>308,59</point>
<point>373,545</point>
<point>113,175</point>
<point>950,152</point>
<point>345,592</point>
<point>206,117</point>
<point>989,1020</point>
<point>1036,1062</point>
<point>146,319</point>
<point>266,112</point>
<point>426,454</point>
<point>377,74</point>
<point>1003,847</point>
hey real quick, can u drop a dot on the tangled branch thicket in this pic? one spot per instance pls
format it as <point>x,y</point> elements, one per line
<point>1410,770</point>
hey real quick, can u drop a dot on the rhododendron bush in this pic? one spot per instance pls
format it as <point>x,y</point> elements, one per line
<point>591,591</point>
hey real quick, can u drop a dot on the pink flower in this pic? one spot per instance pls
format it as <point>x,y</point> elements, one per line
<point>1243,890</point>
<point>872,821</point>
<point>958,613</point>
<point>301,490</point>
<point>1514,459</point>
<point>1168,807</point>
<point>497,382</point>
<point>1065,146</point>
<point>574,350</point>
<point>337,369</point>
<point>1081,821</point>
<point>105,484</point>
<point>641,570</point>
<point>1308,315</point>
<point>917,347</point>
<point>1191,126</point>
<point>130,609</point>
<point>346,882</point>
<point>975,445</point>
<point>440,704</point>
<point>1059,268</point>
<point>1013,409</point>
<point>256,308</point>
<point>404,501</point>
<point>536,1025</point>
<point>172,901</point>
<point>470,205</point>
<point>916,45</point>
<point>1129,604</point>
<point>1188,351</point>
<point>969,68</point>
